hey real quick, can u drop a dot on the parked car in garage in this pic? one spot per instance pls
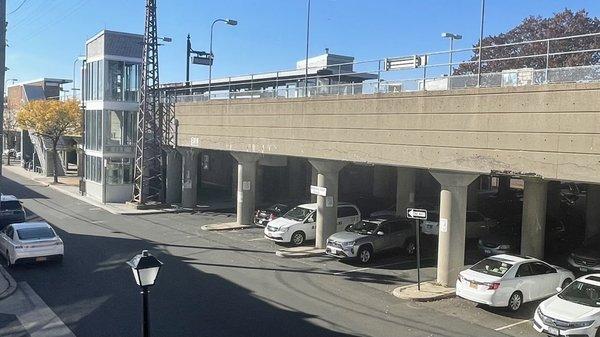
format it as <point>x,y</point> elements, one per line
<point>30,242</point>
<point>372,236</point>
<point>264,215</point>
<point>505,238</point>
<point>587,257</point>
<point>509,281</point>
<point>574,311</point>
<point>298,224</point>
<point>478,225</point>
<point>11,210</point>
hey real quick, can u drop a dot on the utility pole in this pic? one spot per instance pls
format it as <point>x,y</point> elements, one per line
<point>2,73</point>
<point>148,185</point>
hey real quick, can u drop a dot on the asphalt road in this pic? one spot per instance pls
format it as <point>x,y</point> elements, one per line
<point>213,284</point>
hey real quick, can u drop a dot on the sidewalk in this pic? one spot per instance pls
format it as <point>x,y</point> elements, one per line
<point>70,185</point>
<point>430,291</point>
<point>228,226</point>
<point>7,284</point>
<point>300,252</point>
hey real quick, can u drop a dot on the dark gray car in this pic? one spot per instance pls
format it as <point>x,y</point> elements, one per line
<point>372,236</point>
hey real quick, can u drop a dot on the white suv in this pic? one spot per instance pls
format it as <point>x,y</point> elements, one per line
<point>298,224</point>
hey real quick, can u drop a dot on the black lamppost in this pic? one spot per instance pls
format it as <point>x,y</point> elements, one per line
<point>145,268</point>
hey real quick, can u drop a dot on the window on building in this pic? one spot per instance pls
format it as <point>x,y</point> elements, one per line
<point>114,81</point>
<point>120,127</point>
<point>93,130</point>
<point>132,81</point>
<point>119,171</point>
<point>93,168</point>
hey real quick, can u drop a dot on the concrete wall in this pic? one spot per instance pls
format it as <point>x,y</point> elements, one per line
<point>549,131</point>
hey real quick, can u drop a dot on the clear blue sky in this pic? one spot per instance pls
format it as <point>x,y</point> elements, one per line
<point>45,36</point>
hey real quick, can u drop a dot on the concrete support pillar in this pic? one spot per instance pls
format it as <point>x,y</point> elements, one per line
<point>313,182</point>
<point>173,181</point>
<point>246,186</point>
<point>452,224</point>
<point>534,217</point>
<point>260,176</point>
<point>592,214</point>
<point>328,177</point>
<point>234,182</point>
<point>189,179</point>
<point>405,189</point>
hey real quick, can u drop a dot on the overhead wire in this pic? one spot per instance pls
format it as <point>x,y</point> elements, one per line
<point>43,27</point>
<point>18,7</point>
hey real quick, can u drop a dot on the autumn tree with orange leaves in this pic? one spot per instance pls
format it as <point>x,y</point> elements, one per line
<point>52,119</point>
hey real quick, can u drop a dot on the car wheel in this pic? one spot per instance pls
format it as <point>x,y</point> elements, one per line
<point>565,283</point>
<point>365,254</point>
<point>297,238</point>
<point>411,247</point>
<point>515,301</point>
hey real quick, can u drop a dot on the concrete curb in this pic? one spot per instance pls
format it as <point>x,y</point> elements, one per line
<point>299,254</point>
<point>12,285</point>
<point>410,292</point>
<point>225,227</point>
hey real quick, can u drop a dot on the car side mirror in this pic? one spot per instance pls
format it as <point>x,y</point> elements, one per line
<point>380,233</point>
<point>558,289</point>
<point>310,220</point>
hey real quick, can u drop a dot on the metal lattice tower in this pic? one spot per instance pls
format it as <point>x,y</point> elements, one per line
<point>148,174</point>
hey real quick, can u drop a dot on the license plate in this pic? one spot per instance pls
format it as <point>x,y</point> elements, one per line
<point>473,285</point>
<point>334,251</point>
<point>553,331</point>
<point>41,258</point>
<point>487,251</point>
<point>583,269</point>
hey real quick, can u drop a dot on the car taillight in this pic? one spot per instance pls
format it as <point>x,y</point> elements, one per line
<point>460,278</point>
<point>493,286</point>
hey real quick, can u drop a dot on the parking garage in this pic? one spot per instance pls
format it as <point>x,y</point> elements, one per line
<point>510,154</point>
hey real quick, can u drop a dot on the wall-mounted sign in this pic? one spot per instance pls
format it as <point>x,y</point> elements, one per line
<point>194,141</point>
<point>329,201</point>
<point>246,185</point>
<point>443,225</point>
<point>318,190</point>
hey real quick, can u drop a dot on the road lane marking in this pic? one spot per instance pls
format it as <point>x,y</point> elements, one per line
<point>511,325</point>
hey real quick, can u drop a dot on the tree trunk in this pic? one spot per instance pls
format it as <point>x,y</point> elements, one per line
<point>55,160</point>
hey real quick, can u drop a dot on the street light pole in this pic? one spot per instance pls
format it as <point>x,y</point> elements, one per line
<point>145,323</point>
<point>145,268</point>
<point>452,37</point>
<point>74,88</point>
<point>307,44</point>
<point>480,42</point>
<point>212,57</point>
<point>187,61</point>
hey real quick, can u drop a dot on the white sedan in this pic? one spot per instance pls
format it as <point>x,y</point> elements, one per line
<point>574,311</point>
<point>30,242</point>
<point>509,281</point>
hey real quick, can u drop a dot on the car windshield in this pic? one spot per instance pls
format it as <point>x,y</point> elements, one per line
<point>582,293</point>
<point>492,267</point>
<point>35,233</point>
<point>297,213</point>
<point>364,227</point>
<point>10,205</point>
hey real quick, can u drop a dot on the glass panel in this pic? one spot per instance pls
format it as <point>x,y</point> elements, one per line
<point>132,81</point>
<point>118,171</point>
<point>114,81</point>
<point>115,127</point>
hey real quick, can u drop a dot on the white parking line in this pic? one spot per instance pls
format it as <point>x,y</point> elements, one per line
<point>511,325</point>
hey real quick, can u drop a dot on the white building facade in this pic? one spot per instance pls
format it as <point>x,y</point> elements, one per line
<point>111,83</point>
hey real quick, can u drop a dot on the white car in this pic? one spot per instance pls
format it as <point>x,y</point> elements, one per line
<point>30,241</point>
<point>574,311</point>
<point>298,224</point>
<point>509,281</point>
<point>477,224</point>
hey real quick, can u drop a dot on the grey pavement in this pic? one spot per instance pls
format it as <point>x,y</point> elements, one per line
<point>226,283</point>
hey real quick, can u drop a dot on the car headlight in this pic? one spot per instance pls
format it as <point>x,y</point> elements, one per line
<point>348,244</point>
<point>582,324</point>
<point>538,311</point>
<point>284,229</point>
<point>504,247</point>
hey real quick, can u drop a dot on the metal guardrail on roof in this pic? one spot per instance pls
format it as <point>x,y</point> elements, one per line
<point>567,59</point>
